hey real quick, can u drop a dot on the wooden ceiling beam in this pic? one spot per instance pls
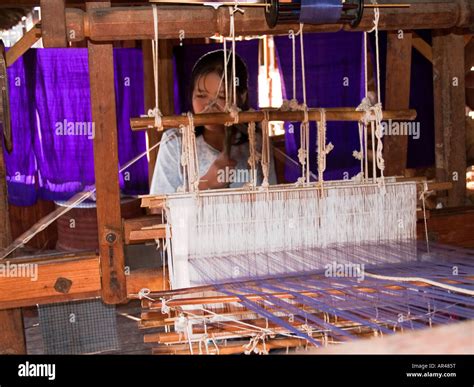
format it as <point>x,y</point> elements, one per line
<point>136,23</point>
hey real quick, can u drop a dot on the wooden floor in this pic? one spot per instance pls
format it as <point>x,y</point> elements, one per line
<point>130,337</point>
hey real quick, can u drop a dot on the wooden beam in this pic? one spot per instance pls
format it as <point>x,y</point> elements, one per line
<point>143,229</point>
<point>50,280</point>
<point>53,25</point>
<point>136,23</point>
<point>449,105</point>
<point>101,69</point>
<point>397,97</point>
<point>23,45</point>
<point>422,47</point>
<point>12,336</point>
<point>332,114</point>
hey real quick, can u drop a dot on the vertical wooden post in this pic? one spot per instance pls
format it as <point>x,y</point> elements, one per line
<point>12,335</point>
<point>112,261</point>
<point>53,23</point>
<point>449,105</point>
<point>166,88</point>
<point>397,96</point>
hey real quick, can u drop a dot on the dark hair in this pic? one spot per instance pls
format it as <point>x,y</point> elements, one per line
<point>213,62</point>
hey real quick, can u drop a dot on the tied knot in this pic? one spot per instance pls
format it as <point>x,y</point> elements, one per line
<point>329,147</point>
<point>145,293</point>
<point>358,155</point>
<point>290,105</point>
<point>234,114</point>
<point>165,309</point>
<point>302,155</point>
<point>304,109</point>
<point>156,113</point>
<point>181,324</point>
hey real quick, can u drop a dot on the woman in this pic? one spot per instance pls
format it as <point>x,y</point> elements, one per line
<point>216,169</point>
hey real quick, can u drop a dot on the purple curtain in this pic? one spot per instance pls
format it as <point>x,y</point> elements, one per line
<point>334,78</point>
<point>187,55</point>
<point>52,125</point>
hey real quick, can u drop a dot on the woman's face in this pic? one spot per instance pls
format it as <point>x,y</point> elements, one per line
<point>208,97</point>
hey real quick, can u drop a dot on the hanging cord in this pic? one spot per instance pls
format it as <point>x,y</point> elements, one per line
<point>254,156</point>
<point>265,160</point>
<point>233,10</point>
<point>189,157</point>
<point>155,112</point>
<point>362,124</point>
<point>226,84</point>
<point>373,114</point>
<point>303,151</point>
<point>292,105</point>
<point>323,148</point>
<point>303,72</point>
<point>377,108</point>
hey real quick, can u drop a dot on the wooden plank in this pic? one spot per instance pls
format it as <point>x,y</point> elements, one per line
<point>23,45</point>
<point>139,230</point>
<point>152,279</point>
<point>136,23</point>
<point>12,337</point>
<point>53,24</point>
<point>50,280</point>
<point>397,97</point>
<point>422,47</point>
<point>101,69</point>
<point>451,226</point>
<point>449,105</point>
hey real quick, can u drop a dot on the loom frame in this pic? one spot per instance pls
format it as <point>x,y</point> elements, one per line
<point>96,275</point>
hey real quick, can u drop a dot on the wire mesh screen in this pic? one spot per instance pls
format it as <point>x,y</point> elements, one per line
<point>78,327</point>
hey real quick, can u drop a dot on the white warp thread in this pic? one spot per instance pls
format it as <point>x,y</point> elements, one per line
<point>252,223</point>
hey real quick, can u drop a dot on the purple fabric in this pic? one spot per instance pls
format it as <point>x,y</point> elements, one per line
<point>53,131</point>
<point>20,164</point>
<point>329,58</point>
<point>187,55</point>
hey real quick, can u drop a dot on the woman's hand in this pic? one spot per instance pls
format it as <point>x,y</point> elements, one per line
<point>217,173</point>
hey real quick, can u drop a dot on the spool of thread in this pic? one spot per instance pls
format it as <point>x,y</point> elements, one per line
<point>314,12</point>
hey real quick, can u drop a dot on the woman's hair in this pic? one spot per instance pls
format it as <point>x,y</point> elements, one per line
<point>213,62</point>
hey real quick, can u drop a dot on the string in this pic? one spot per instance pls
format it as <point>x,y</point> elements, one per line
<point>72,203</point>
<point>155,112</point>
<point>303,73</point>
<point>189,156</point>
<point>323,148</point>
<point>423,201</point>
<point>226,86</point>
<point>253,156</point>
<point>265,159</point>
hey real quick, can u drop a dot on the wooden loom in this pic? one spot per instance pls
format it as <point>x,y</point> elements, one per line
<point>112,285</point>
